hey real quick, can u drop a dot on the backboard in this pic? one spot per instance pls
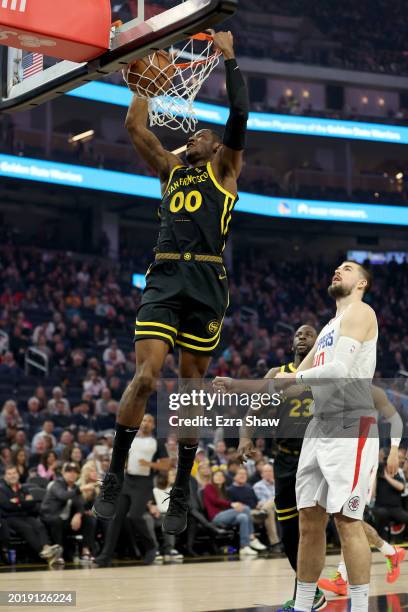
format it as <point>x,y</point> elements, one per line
<point>28,80</point>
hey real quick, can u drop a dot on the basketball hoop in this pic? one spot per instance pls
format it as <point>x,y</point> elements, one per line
<point>175,84</point>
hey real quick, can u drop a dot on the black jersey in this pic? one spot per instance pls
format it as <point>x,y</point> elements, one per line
<point>294,416</point>
<point>195,212</point>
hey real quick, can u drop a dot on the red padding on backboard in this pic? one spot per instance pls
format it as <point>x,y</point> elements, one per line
<point>76,30</point>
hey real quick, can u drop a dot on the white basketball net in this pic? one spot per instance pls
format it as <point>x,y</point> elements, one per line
<point>173,104</point>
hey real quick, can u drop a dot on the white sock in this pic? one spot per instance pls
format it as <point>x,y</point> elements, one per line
<point>387,550</point>
<point>359,597</point>
<point>342,569</point>
<point>305,594</point>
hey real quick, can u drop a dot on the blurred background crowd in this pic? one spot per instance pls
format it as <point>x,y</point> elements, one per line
<point>67,355</point>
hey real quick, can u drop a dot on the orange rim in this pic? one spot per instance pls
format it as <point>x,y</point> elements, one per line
<point>204,37</point>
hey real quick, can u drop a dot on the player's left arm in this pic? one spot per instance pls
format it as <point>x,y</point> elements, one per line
<point>359,325</point>
<point>229,157</point>
<point>391,416</point>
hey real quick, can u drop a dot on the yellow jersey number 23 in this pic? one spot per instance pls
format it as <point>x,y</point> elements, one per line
<point>190,201</point>
<point>300,407</point>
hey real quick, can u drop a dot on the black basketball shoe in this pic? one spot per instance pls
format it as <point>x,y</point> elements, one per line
<point>175,521</point>
<point>105,504</point>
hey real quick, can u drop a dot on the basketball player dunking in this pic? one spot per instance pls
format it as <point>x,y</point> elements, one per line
<point>186,292</point>
<point>335,471</point>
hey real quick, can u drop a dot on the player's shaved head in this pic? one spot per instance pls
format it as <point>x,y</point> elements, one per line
<point>304,339</point>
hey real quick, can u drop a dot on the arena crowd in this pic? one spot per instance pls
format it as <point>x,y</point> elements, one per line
<point>74,317</point>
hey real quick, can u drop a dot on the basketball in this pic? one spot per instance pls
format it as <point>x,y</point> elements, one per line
<point>151,75</point>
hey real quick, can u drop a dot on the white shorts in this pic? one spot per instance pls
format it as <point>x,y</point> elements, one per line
<point>337,472</point>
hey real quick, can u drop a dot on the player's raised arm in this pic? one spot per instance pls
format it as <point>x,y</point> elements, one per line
<point>229,156</point>
<point>359,325</point>
<point>146,143</point>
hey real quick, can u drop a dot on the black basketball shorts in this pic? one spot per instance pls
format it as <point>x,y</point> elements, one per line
<point>184,304</point>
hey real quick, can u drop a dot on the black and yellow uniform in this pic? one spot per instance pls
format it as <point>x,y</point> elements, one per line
<point>186,292</point>
<point>294,416</point>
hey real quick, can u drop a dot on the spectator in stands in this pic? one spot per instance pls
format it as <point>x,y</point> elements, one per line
<point>105,311</point>
<point>101,404</point>
<point>20,460</point>
<point>33,419</point>
<point>66,441</point>
<point>19,344</point>
<point>74,455</point>
<point>57,396</point>
<point>21,442</point>
<point>82,416</point>
<point>104,463</point>
<point>89,485</point>
<point>113,356</point>
<point>221,511</point>
<point>94,383</point>
<point>5,457</point>
<point>41,394</point>
<point>61,416</point>
<point>251,463</point>
<point>203,474</point>
<point>241,491</point>
<point>62,510</point>
<point>157,508</point>
<point>18,509</point>
<point>39,450</point>
<point>233,466</point>
<point>257,475</point>
<point>47,432</point>
<point>219,457</point>
<point>116,388</point>
<point>100,336</point>
<point>108,420</point>
<point>76,372</point>
<point>48,466</point>
<point>10,415</point>
<point>388,502</point>
<point>265,493</point>
<point>9,369</point>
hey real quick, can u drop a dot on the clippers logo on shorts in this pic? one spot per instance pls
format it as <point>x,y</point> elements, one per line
<point>14,5</point>
<point>354,503</point>
<point>213,327</point>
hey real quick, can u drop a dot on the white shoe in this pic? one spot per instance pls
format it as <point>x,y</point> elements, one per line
<point>257,545</point>
<point>246,551</point>
<point>173,556</point>
<point>159,558</point>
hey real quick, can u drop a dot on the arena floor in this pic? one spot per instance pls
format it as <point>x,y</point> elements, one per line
<point>237,586</point>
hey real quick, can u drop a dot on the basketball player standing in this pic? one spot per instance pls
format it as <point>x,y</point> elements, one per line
<point>335,471</point>
<point>186,294</point>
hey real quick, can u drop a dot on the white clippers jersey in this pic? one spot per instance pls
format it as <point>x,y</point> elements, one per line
<point>334,397</point>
